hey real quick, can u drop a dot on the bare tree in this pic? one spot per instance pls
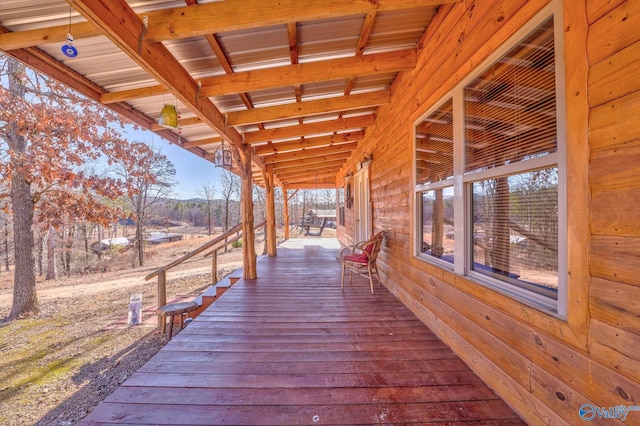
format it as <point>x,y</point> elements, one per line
<point>151,178</point>
<point>260,211</point>
<point>47,131</point>
<point>230,184</point>
<point>208,191</point>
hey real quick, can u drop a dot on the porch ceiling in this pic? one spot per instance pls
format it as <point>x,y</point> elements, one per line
<point>298,80</point>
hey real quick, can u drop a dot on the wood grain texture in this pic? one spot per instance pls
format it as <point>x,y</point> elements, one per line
<point>291,345</point>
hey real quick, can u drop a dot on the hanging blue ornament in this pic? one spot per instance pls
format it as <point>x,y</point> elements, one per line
<point>68,50</point>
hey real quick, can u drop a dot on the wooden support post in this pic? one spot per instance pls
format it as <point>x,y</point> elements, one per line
<point>214,266</point>
<point>285,202</point>
<point>162,293</point>
<point>248,232</point>
<point>270,229</point>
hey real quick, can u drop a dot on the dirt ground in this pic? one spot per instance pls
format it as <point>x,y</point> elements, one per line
<point>57,365</point>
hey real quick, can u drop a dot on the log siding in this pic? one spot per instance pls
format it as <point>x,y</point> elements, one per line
<point>546,368</point>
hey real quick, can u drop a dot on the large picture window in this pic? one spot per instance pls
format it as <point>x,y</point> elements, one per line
<point>494,144</point>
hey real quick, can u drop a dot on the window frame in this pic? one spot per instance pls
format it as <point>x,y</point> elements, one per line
<point>462,181</point>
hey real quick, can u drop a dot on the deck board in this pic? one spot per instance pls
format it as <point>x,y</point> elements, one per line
<point>293,348</point>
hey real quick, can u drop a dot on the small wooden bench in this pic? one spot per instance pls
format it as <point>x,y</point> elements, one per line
<point>170,311</point>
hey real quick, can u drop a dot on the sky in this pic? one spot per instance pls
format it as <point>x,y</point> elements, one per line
<point>191,171</point>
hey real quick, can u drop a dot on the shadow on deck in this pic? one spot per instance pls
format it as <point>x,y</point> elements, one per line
<point>292,348</point>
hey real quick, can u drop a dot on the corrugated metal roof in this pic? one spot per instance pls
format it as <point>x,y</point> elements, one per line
<point>262,46</point>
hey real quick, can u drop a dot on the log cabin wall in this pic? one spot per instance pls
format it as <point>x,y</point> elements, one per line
<point>546,368</point>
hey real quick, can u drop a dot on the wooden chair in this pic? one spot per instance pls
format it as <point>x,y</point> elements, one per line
<point>361,258</point>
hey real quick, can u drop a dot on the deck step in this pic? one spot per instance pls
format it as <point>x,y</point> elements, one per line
<point>207,297</point>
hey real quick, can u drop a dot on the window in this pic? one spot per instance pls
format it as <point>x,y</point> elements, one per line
<point>489,201</point>
<point>434,173</point>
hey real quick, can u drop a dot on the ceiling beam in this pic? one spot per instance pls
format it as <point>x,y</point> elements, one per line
<point>309,172</point>
<point>323,159</point>
<point>310,72</point>
<point>284,168</point>
<point>327,126</point>
<point>40,36</point>
<point>46,64</point>
<point>183,122</point>
<point>304,143</point>
<point>291,75</point>
<point>307,153</point>
<point>208,19</point>
<point>217,17</point>
<point>126,30</point>
<point>129,95</point>
<point>201,142</point>
<point>326,183</point>
<point>301,109</point>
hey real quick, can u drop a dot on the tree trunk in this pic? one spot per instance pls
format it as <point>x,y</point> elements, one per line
<point>139,244</point>
<point>85,238</point>
<point>141,212</point>
<point>99,243</point>
<point>6,243</point>
<point>25,300</point>
<point>51,255</point>
<point>39,243</point>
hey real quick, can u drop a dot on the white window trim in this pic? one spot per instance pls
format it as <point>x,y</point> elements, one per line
<point>461,180</point>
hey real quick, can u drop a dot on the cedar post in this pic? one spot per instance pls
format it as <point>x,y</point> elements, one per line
<point>248,233</point>
<point>162,293</point>
<point>285,206</point>
<point>270,229</point>
<point>214,266</point>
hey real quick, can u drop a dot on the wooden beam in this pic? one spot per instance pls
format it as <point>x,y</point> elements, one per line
<point>210,18</point>
<point>201,142</point>
<point>126,30</point>
<point>291,167</point>
<point>313,183</point>
<point>328,126</point>
<point>312,160</point>
<point>127,95</point>
<point>42,36</point>
<point>218,17</point>
<point>304,143</point>
<point>321,172</point>
<point>310,72</point>
<point>241,82</point>
<point>320,106</point>
<point>184,122</point>
<point>307,153</point>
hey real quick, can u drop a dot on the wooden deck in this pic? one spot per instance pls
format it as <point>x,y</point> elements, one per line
<point>291,348</point>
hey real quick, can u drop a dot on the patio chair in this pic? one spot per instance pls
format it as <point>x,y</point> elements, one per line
<point>361,258</point>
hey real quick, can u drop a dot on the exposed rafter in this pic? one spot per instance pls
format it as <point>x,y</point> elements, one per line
<point>226,16</point>
<point>320,106</point>
<point>331,88</point>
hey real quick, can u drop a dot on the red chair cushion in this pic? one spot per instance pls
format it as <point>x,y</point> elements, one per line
<point>357,258</point>
<point>362,257</point>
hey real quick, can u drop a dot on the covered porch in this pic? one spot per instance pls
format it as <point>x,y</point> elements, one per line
<point>291,347</point>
